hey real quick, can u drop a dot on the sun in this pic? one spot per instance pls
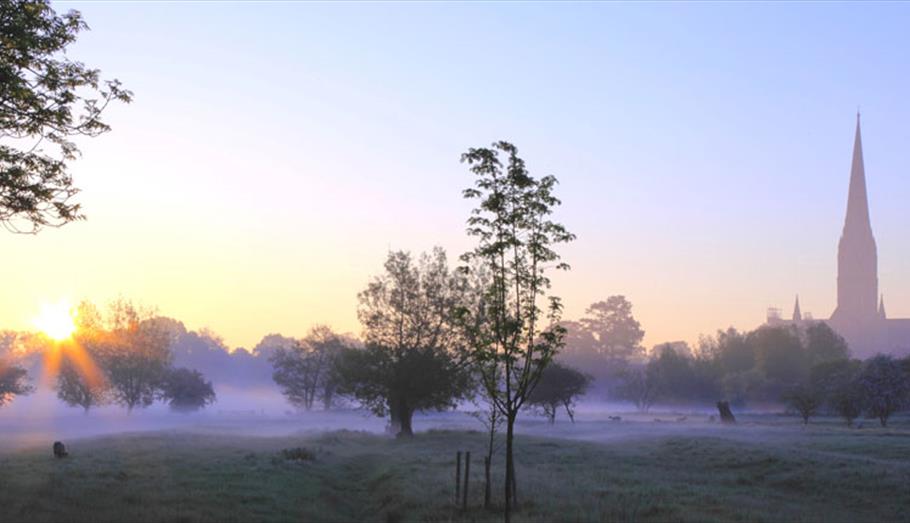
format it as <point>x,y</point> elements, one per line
<point>57,320</point>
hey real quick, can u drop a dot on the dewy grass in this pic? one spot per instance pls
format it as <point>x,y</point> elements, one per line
<point>823,474</point>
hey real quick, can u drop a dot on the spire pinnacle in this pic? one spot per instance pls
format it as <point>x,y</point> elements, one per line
<point>881,307</point>
<point>857,218</point>
<point>797,314</point>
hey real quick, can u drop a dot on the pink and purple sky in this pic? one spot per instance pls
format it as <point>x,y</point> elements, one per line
<point>276,151</point>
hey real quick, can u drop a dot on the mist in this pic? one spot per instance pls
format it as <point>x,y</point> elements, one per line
<point>464,262</point>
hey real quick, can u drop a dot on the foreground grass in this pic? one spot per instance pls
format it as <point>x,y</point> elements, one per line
<point>820,475</point>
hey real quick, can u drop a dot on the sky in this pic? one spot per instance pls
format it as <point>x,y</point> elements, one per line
<point>275,152</point>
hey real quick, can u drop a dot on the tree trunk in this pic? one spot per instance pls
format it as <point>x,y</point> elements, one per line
<point>726,415</point>
<point>327,399</point>
<point>510,472</point>
<point>487,489</point>
<point>568,406</point>
<point>406,414</point>
<point>395,417</point>
<point>514,488</point>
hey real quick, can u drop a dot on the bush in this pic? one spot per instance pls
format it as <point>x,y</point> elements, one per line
<point>186,390</point>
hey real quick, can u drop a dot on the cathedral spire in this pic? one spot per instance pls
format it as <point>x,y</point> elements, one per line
<point>881,307</point>
<point>857,202</point>
<point>797,315</point>
<point>857,261</point>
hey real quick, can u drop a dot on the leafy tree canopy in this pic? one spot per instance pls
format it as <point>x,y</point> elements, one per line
<point>46,101</point>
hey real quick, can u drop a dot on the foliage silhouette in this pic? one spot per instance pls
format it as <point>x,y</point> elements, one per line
<point>46,101</point>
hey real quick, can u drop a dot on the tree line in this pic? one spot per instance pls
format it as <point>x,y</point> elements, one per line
<point>807,368</point>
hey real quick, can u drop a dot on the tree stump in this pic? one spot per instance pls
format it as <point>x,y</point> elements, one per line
<point>726,415</point>
<point>60,450</point>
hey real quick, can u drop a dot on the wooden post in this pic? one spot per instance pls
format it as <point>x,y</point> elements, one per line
<point>487,492</point>
<point>467,469</point>
<point>514,488</point>
<point>457,477</point>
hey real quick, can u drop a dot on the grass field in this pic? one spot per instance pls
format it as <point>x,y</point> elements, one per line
<point>659,472</point>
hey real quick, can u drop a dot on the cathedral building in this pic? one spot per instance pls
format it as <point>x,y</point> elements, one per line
<point>860,313</point>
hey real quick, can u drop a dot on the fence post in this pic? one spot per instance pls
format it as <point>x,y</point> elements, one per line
<point>467,469</point>
<point>514,488</point>
<point>457,477</point>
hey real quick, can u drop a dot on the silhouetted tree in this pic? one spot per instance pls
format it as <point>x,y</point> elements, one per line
<point>80,380</point>
<point>409,361</point>
<point>673,371</point>
<point>639,384</point>
<point>843,391</point>
<point>514,340</point>
<point>306,372</point>
<point>13,382</point>
<point>559,386</point>
<point>823,344</point>
<point>731,351</point>
<point>742,386</point>
<point>186,390</point>
<point>270,344</point>
<point>78,387</point>
<point>135,354</point>
<point>43,106</point>
<point>805,399</point>
<point>885,386</point>
<point>616,332</point>
<point>781,358</point>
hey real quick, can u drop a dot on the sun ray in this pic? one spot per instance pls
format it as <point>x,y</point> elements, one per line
<point>85,365</point>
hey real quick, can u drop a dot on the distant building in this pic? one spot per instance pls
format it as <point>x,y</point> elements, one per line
<point>860,314</point>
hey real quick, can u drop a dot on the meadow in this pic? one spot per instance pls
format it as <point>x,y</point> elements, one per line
<point>766,468</point>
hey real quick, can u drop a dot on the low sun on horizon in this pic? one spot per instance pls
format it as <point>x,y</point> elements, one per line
<point>56,320</point>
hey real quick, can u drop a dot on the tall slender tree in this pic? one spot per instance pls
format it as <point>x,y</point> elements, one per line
<point>512,338</point>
